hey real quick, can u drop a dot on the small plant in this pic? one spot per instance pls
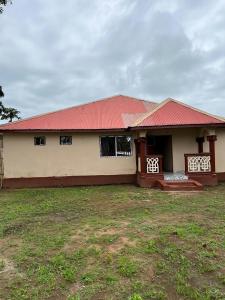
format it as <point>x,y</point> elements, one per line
<point>45,275</point>
<point>2,265</point>
<point>155,294</point>
<point>111,279</point>
<point>79,255</point>
<point>59,262</point>
<point>135,297</point>
<point>69,274</point>
<point>161,267</point>
<point>213,293</point>
<point>222,279</point>
<point>88,277</point>
<point>127,267</point>
<point>151,247</point>
<point>74,297</point>
<point>138,286</point>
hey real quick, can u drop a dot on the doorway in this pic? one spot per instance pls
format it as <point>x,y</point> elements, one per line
<point>161,145</point>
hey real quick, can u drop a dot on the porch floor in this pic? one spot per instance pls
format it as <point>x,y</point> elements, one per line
<point>177,176</point>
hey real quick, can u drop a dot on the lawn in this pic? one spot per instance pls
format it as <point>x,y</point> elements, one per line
<point>112,242</point>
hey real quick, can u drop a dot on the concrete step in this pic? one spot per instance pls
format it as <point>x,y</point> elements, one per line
<point>179,185</point>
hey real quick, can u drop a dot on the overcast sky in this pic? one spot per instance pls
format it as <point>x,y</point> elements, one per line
<point>55,53</point>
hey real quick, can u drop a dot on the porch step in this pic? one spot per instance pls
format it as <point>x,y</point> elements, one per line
<point>179,185</point>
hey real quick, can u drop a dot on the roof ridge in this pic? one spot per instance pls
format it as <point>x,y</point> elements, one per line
<point>74,106</point>
<point>149,113</point>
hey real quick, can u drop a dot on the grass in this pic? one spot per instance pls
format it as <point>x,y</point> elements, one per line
<point>112,242</point>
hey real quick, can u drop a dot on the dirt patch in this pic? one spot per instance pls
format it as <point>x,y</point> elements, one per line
<point>120,244</point>
<point>122,226</point>
<point>149,274</point>
<point>184,193</point>
<point>83,234</point>
<point>75,288</point>
<point>175,219</point>
<point>8,266</point>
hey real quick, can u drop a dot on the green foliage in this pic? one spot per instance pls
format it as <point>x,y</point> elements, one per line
<point>2,265</point>
<point>151,247</point>
<point>88,277</point>
<point>9,113</point>
<point>76,297</point>
<point>6,113</point>
<point>111,279</point>
<point>155,294</point>
<point>127,267</point>
<point>45,275</point>
<point>135,297</point>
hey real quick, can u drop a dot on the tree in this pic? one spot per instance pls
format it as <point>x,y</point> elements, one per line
<point>3,3</point>
<point>7,113</point>
<point>10,113</point>
<point>1,92</point>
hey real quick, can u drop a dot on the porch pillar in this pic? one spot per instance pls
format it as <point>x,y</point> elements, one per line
<point>142,148</point>
<point>200,141</point>
<point>211,139</point>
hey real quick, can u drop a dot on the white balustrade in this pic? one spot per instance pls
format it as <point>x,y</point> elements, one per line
<point>199,163</point>
<point>153,164</point>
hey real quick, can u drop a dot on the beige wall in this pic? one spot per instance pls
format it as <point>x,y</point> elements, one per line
<point>220,150</point>
<point>183,141</point>
<point>219,147</point>
<point>23,159</point>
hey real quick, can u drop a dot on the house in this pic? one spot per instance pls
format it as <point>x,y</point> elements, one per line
<point>115,140</point>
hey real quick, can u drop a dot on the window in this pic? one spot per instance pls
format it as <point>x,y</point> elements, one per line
<point>66,140</point>
<point>39,140</point>
<point>115,145</point>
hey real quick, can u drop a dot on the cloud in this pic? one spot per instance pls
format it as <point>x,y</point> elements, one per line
<point>54,55</point>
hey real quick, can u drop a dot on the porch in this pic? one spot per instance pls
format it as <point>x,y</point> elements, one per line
<point>174,160</point>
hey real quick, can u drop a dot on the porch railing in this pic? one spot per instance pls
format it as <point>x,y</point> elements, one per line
<point>153,164</point>
<point>198,163</point>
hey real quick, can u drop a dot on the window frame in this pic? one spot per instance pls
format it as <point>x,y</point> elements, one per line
<point>40,136</point>
<point>61,136</point>
<point>115,138</point>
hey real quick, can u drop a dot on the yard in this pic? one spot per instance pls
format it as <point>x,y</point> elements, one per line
<point>112,242</point>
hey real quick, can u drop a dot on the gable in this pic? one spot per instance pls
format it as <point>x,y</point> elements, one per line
<point>172,112</point>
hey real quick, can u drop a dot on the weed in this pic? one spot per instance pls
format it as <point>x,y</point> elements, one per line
<point>155,294</point>
<point>135,297</point>
<point>111,279</point>
<point>127,267</point>
<point>151,247</point>
<point>2,265</point>
<point>88,277</point>
<point>75,297</point>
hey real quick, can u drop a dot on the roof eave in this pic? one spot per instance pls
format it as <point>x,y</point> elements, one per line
<point>179,126</point>
<point>64,130</point>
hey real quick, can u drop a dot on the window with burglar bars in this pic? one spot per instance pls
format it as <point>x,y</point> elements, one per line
<point>39,141</point>
<point>65,140</point>
<point>116,145</point>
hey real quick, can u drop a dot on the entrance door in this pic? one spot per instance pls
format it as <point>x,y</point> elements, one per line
<point>162,145</point>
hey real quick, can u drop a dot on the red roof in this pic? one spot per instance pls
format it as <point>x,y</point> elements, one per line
<point>110,113</point>
<point>174,113</point>
<point>118,112</point>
